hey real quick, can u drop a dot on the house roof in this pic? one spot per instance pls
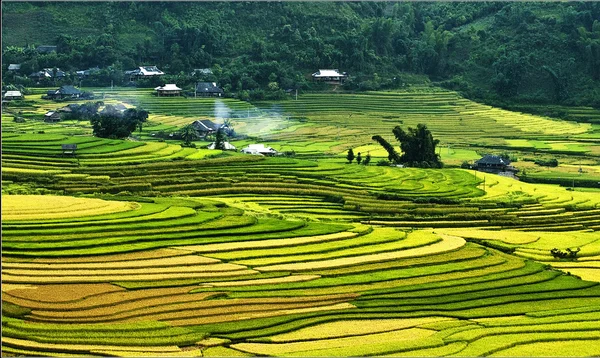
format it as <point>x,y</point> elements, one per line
<point>47,72</point>
<point>168,87</point>
<point>226,146</point>
<point>208,87</point>
<point>88,72</point>
<point>492,160</point>
<point>13,94</point>
<point>68,90</point>
<point>50,113</point>
<point>204,71</point>
<point>258,148</point>
<point>14,66</point>
<point>204,125</point>
<point>328,73</point>
<point>145,71</point>
<point>46,49</point>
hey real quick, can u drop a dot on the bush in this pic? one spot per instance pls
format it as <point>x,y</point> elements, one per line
<point>547,163</point>
<point>383,163</point>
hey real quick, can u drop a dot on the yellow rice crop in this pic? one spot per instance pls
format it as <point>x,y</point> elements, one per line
<point>448,243</point>
<point>263,281</point>
<point>62,293</point>
<point>208,264</point>
<point>39,207</point>
<point>508,236</point>
<point>102,299</point>
<point>21,343</point>
<point>378,338</point>
<point>230,317</point>
<point>588,274</point>
<point>240,245</point>
<point>345,328</point>
<point>130,256</point>
<point>147,276</point>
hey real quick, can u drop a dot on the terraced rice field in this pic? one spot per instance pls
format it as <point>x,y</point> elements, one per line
<point>146,248</point>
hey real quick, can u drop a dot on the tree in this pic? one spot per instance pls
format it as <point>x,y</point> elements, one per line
<point>418,146</point>
<point>139,116</point>
<point>188,134</point>
<point>350,155</point>
<point>358,158</point>
<point>111,124</point>
<point>220,139</point>
<point>367,159</point>
<point>393,156</point>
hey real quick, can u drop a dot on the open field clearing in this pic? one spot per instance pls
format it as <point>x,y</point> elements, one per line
<point>146,248</point>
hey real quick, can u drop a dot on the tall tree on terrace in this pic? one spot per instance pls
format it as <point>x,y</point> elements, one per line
<point>393,156</point>
<point>188,134</point>
<point>220,139</point>
<point>350,155</point>
<point>418,146</point>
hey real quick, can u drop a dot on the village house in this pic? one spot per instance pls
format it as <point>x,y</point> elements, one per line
<point>208,89</point>
<point>226,146</point>
<point>88,72</point>
<point>12,95</point>
<point>168,90</point>
<point>47,73</point>
<point>144,72</point>
<point>202,72</point>
<point>52,116</point>
<point>494,164</point>
<point>205,127</point>
<point>14,67</point>
<point>46,49</point>
<point>64,92</point>
<point>329,76</point>
<point>259,149</point>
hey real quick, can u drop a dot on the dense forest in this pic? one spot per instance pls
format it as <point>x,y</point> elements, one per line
<point>493,51</point>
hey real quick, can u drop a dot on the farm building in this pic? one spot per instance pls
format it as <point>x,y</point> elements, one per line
<point>168,90</point>
<point>52,116</point>
<point>259,149</point>
<point>47,73</point>
<point>226,146</point>
<point>202,72</point>
<point>144,72</point>
<point>208,89</point>
<point>493,164</point>
<point>64,92</point>
<point>46,49</point>
<point>329,76</point>
<point>10,95</point>
<point>14,67</point>
<point>88,72</point>
<point>205,126</point>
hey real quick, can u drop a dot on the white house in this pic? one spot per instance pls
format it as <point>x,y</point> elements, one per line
<point>144,71</point>
<point>226,146</point>
<point>13,95</point>
<point>259,149</point>
<point>329,76</point>
<point>170,89</point>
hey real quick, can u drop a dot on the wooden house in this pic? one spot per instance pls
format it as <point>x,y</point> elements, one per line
<point>12,95</point>
<point>52,116</point>
<point>168,90</point>
<point>64,92</point>
<point>493,164</point>
<point>208,89</point>
<point>329,76</point>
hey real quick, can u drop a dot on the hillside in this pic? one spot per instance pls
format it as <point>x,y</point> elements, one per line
<point>503,53</point>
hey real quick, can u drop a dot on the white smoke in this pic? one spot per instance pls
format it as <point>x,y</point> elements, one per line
<point>221,110</point>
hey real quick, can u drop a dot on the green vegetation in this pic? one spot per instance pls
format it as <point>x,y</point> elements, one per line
<point>152,245</point>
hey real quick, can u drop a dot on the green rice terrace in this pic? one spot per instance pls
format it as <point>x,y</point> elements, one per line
<point>143,247</point>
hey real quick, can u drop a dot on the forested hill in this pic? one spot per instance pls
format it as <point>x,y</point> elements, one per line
<point>526,52</point>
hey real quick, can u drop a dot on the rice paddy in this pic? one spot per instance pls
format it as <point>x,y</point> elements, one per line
<point>146,248</point>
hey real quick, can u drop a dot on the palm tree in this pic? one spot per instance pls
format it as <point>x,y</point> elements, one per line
<point>189,133</point>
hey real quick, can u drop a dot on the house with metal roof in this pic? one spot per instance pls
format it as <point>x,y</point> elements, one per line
<point>14,67</point>
<point>144,71</point>
<point>208,89</point>
<point>494,164</point>
<point>259,149</point>
<point>64,92</point>
<point>329,76</point>
<point>11,95</point>
<point>168,90</point>
<point>47,73</point>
